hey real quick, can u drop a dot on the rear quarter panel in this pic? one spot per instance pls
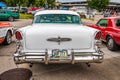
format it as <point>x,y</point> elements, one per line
<point>4,27</point>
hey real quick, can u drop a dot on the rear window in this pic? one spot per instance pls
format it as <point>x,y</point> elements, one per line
<point>57,18</point>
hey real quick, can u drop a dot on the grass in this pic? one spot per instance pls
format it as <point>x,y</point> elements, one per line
<point>26,16</point>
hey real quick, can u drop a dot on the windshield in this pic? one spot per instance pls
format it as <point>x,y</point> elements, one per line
<point>57,18</point>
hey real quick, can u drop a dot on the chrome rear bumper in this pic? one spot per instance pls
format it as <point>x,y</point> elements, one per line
<point>74,57</point>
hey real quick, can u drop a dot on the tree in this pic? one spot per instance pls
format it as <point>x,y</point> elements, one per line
<point>30,3</point>
<point>39,3</point>
<point>98,4</point>
<point>16,2</point>
<point>42,3</point>
<point>9,2</point>
<point>51,3</point>
<point>21,2</point>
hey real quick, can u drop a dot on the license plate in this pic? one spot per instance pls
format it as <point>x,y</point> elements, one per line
<point>59,53</point>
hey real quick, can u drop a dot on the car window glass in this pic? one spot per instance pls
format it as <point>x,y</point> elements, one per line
<point>57,18</point>
<point>103,23</point>
<point>118,22</point>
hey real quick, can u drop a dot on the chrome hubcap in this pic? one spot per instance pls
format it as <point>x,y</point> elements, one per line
<point>110,43</point>
<point>9,39</point>
<point>10,19</point>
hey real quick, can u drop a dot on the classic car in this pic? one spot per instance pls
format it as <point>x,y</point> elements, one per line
<point>110,29</point>
<point>57,36</point>
<point>24,10</point>
<point>13,9</point>
<point>8,15</point>
<point>6,32</point>
<point>30,10</point>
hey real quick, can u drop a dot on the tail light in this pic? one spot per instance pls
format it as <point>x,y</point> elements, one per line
<point>18,35</point>
<point>98,35</point>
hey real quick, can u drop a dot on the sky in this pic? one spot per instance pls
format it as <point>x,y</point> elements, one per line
<point>84,0</point>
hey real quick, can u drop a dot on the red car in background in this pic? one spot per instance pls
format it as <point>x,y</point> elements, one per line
<point>30,10</point>
<point>110,29</point>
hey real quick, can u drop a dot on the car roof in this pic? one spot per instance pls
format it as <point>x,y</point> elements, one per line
<point>56,12</point>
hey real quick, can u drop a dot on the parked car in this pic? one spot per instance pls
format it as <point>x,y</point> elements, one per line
<point>24,10</point>
<point>57,36</point>
<point>110,28</point>
<point>8,15</point>
<point>6,32</point>
<point>30,10</point>
<point>35,11</point>
<point>13,9</point>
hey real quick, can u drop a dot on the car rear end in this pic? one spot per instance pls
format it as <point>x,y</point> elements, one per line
<point>65,48</point>
<point>56,42</point>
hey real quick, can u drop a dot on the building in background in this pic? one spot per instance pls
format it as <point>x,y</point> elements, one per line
<point>83,6</point>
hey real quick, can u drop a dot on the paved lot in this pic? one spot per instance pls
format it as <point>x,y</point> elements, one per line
<point>108,70</point>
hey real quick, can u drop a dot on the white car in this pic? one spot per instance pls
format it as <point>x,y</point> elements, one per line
<point>6,32</point>
<point>57,36</point>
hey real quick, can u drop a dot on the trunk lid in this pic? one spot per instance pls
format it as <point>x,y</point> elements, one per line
<point>58,36</point>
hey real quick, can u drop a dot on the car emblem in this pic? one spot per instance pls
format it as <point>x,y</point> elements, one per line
<point>59,40</point>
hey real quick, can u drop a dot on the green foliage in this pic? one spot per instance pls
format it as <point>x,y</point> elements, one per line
<point>51,3</point>
<point>42,3</point>
<point>30,3</point>
<point>10,2</point>
<point>26,16</point>
<point>39,3</point>
<point>98,4</point>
